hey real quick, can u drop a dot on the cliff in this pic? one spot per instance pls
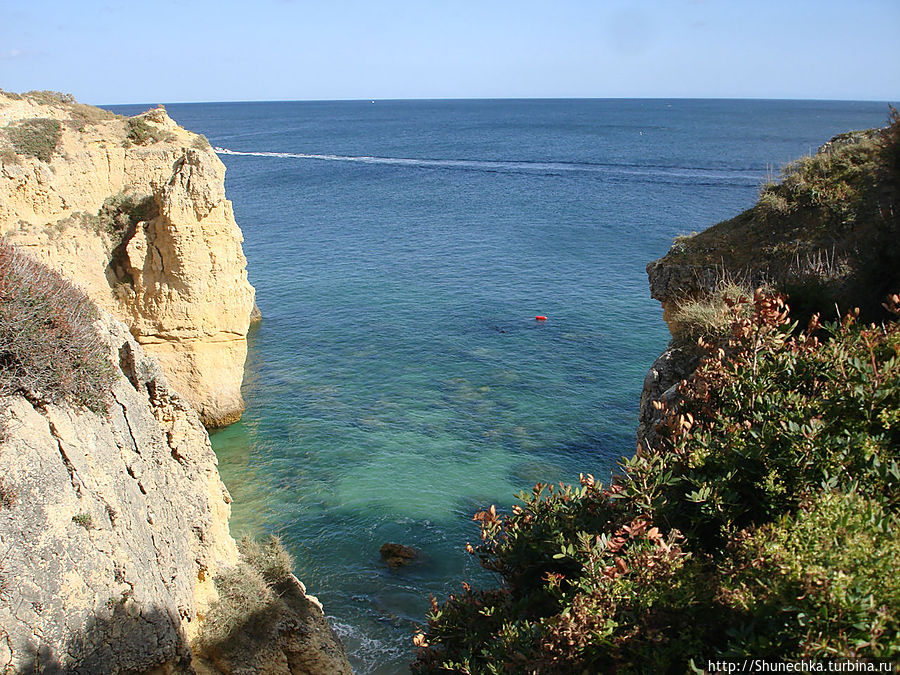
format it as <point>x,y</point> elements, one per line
<point>827,236</point>
<point>115,551</point>
<point>133,210</point>
<point>826,233</point>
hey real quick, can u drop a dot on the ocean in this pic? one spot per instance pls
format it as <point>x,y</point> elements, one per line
<point>400,251</point>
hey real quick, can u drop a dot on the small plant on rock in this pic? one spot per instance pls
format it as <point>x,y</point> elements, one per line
<point>140,132</point>
<point>84,520</point>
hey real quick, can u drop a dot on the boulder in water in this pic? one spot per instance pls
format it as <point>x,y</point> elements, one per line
<point>398,555</point>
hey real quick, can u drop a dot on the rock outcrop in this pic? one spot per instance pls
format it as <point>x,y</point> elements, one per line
<point>113,529</point>
<point>661,385</point>
<point>133,210</point>
<point>827,234</point>
<point>398,555</point>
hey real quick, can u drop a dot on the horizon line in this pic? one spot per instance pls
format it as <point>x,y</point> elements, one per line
<point>513,98</point>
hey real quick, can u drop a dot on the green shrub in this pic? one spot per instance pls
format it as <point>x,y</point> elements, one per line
<point>121,212</point>
<point>762,524</point>
<point>140,132</point>
<point>824,578</point>
<point>35,137</point>
<point>768,416</point>
<point>48,345</point>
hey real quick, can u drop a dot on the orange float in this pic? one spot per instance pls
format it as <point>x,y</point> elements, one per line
<point>540,317</point>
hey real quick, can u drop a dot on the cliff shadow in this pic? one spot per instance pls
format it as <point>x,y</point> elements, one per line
<point>126,639</point>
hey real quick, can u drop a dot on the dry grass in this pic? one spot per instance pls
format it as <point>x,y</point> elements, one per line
<point>712,314</point>
<point>270,558</point>
<point>248,603</point>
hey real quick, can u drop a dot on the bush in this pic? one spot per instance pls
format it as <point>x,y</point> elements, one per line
<point>762,524</point>
<point>48,345</point>
<point>140,132</point>
<point>35,137</point>
<point>121,212</point>
<point>200,142</point>
<point>84,520</point>
<point>270,559</point>
<point>245,601</point>
<point>836,182</point>
<point>827,599</point>
<point>9,156</point>
<point>249,602</point>
<point>769,416</point>
<point>771,204</point>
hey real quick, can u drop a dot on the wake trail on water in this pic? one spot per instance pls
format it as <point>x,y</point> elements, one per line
<point>743,176</point>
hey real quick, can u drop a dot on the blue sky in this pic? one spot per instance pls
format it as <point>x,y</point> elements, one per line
<point>223,50</point>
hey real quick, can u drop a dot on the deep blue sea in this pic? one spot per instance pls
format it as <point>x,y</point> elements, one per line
<point>400,251</point>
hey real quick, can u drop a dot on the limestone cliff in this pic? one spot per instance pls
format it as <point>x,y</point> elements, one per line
<point>113,528</point>
<point>827,235</point>
<point>115,551</point>
<point>133,210</point>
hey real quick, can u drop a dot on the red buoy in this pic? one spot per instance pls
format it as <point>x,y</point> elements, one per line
<point>540,318</point>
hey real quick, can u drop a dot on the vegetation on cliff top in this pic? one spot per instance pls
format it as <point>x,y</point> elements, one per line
<point>35,137</point>
<point>80,114</point>
<point>49,348</point>
<point>140,132</point>
<point>828,232</point>
<point>762,524</point>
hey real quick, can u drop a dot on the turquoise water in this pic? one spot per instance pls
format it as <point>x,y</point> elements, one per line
<point>400,251</point>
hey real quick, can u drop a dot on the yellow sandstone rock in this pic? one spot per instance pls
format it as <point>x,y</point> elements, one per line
<point>133,210</point>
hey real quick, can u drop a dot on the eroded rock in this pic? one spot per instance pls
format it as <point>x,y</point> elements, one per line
<point>174,271</point>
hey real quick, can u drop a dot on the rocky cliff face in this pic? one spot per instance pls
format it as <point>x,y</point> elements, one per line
<point>113,528</point>
<point>827,235</point>
<point>134,211</point>
<point>115,552</point>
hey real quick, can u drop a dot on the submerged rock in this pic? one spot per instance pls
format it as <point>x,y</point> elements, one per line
<point>398,555</point>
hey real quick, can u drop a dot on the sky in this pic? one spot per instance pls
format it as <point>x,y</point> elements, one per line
<point>166,51</point>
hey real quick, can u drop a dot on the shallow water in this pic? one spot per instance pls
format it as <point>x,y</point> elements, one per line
<point>400,251</point>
